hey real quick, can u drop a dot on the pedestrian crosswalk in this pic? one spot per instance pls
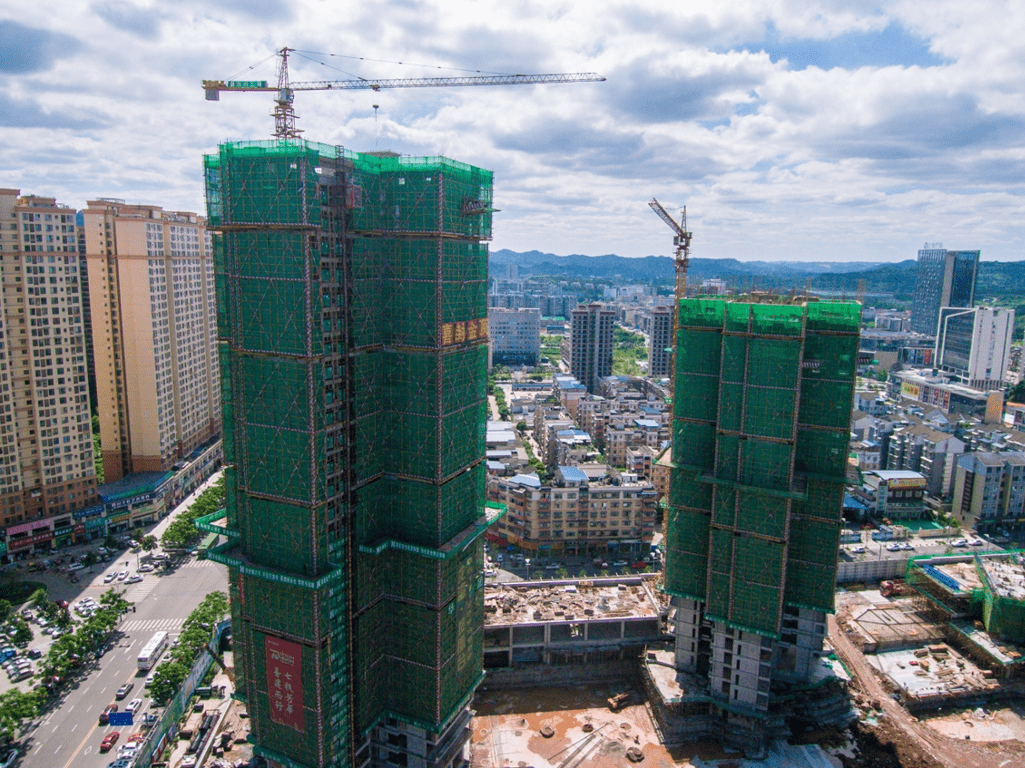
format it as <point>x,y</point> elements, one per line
<point>139,592</point>
<point>152,625</point>
<point>199,564</point>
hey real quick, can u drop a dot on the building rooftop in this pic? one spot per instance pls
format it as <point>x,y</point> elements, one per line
<point>963,572</point>
<point>532,481</point>
<point>896,474</point>
<point>1006,574</point>
<point>537,602</point>
<point>131,485</point>
<point>573,474</point>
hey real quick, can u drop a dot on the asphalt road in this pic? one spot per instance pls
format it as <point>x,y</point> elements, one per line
<point>69,735</point>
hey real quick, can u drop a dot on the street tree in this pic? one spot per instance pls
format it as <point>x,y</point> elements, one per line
<point>167,679</point>
<point>39,598</point>
<point>16,706</point>
<point>22,633</point>
<point>115,601</point>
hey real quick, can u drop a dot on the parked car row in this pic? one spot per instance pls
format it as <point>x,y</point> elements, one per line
<point>17,667</point>
<point>86,607</point>
<point>897,546</point>
<point>973,542</point>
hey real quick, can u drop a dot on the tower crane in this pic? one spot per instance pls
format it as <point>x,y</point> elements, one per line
<point>682,242</point>
<point>284,113</point>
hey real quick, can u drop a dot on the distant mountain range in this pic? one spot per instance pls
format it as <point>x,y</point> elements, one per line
<point>897,278</point>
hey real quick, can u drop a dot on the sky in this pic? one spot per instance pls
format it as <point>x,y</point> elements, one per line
<point>812,130</point>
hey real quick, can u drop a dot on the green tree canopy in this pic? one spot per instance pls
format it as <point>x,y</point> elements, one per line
<point>182,532</point>
<point>16,706</point>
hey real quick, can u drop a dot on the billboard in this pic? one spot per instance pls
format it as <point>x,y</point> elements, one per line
<point>284,682</point>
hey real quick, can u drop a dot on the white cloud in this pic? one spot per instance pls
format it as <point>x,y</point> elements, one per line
<point>858,132</point>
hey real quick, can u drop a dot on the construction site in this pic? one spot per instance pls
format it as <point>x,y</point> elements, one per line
<point>936,659</point>
<point>580,622</point>
<point>353,328</point>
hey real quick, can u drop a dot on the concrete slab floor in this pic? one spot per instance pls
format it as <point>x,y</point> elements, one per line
<point>586,734</point>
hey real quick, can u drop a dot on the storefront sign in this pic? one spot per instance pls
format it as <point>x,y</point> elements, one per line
<point>29,541</point>
<point>25,527</point>
<point>79,529</point>
<point>129,501</point>
<point>284,682</point>
<point>906,482</point>
<point>88,512</point>
<point>92,524</point>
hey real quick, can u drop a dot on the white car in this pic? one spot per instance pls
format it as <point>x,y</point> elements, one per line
<point>133,579</point>
<point>858,550</point>
<point>894,547</point>
<point>133,705</point>
<point>619,564</point>
<point>146,568</point>
<point>976,542</point>
<point>110,577</point>
<point>959,543</point>
<point>122,576</point>
<point>908,546</point>
<point>127,750</point>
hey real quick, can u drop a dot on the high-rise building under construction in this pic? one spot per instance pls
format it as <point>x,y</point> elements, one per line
<point>762,404</point>
<point>353,331</point>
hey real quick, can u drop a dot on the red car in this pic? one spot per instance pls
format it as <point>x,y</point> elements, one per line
<point>105,714</point>
<point>109,741</point>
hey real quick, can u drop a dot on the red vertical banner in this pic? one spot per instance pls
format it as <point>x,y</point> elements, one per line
<point>284,682</point>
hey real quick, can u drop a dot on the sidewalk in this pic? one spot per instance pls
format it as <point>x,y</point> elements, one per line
<point>229,719</point>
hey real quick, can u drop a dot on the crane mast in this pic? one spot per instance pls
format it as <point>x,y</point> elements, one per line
<point>284,111</point>
<point>681,239</point>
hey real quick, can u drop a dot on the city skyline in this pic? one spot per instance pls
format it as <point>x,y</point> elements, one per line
<point>847,134</point>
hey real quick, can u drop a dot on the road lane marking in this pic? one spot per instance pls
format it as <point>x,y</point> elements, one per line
<point>74,754</point>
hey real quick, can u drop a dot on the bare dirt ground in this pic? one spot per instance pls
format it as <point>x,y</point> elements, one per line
<point>899,740</point>
<point>983,724</point>
<point>508,731</point>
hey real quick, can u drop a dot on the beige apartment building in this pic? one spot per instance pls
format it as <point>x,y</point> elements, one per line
<point>575,515</point>
<point>154,319</point>
<point>46,452</point>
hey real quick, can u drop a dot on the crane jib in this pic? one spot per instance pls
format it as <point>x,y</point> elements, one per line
<point>284,114</point>
<point>443,82</point>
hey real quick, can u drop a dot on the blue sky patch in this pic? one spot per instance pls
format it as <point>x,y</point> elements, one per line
<point>893,46</point>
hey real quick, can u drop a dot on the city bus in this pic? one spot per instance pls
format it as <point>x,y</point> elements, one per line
<point>152,650</point>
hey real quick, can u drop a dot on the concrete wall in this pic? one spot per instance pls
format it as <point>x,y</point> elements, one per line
<point>870,570</point>
<point>624,669</point>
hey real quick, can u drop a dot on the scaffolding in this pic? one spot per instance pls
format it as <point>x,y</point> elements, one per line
<point>760,435</point>
<point>353,344</point>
